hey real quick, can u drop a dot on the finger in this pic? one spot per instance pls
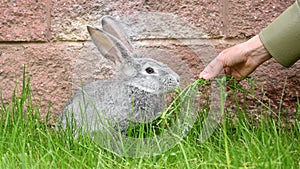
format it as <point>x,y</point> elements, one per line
<point>212,69</point>
<point>235,73</point>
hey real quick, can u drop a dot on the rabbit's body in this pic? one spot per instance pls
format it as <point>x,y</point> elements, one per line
<point>135,95</point>
<point>94,102</point>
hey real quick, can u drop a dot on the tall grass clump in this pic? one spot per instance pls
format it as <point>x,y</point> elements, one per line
<point>27,141</point>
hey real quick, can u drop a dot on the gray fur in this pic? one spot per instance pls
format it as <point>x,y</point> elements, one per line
<point>135,95</point>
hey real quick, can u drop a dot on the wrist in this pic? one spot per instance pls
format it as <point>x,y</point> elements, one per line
<point>255,51</point>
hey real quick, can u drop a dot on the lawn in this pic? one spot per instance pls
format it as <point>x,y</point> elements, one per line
<point>26,141</point>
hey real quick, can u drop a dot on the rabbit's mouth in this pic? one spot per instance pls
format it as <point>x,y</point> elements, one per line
<point>170,85</point>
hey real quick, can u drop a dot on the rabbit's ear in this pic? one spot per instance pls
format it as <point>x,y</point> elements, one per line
<point>109,46</point>
<point>113,27</point>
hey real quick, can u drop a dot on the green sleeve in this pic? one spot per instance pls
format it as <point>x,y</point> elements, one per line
<point>282,37</point>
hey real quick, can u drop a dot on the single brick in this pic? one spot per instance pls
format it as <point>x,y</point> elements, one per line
<point>147,19</point>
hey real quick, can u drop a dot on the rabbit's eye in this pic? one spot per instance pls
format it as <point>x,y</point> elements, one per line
<point>149,70</point>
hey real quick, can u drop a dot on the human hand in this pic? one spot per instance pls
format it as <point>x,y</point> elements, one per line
<point>238,61</point>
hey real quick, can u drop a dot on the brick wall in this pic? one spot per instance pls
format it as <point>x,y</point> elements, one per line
<point>50,38</point>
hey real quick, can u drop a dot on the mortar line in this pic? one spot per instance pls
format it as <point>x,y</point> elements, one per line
<point>225,12</point>
<point>138,42</point>
<point>48,20</point>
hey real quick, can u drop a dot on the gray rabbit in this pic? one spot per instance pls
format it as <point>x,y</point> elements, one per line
<point>136,94</point>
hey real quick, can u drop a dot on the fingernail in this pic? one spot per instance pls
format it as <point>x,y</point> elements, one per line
<point>204,75</point>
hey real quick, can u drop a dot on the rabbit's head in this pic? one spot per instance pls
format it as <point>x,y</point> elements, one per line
<point>144,73</point>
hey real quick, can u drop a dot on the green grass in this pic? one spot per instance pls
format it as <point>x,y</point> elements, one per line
<point>26,141</point>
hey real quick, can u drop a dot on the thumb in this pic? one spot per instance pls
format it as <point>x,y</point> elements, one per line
<point>214,68</point>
